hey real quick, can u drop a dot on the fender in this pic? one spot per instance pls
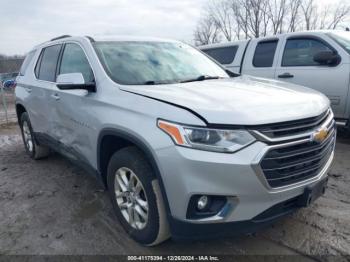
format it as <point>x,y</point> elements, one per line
<point>143,147</point>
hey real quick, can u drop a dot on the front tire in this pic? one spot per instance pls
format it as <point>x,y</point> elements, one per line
<point>136,197</point>
<point>32,148</point>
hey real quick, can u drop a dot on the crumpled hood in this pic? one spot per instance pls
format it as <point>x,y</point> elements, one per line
<point>243,100</point>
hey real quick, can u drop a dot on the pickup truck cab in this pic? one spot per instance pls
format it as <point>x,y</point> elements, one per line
<point>316,59</point>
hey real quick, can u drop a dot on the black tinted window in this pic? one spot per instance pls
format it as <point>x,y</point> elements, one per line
<point>300,52</point>
<point>264,54</point>
<point>75,61</point>
<point>26,62</point>
<point>46,67</point>
<point>224,55</point>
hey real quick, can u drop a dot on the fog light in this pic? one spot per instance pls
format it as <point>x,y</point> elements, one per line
<point>201,206</point>
<point>202,202</point>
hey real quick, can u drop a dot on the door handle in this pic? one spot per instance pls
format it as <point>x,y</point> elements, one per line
<point>286,75</point>
<point>55,96</point>
<point>28,89</point>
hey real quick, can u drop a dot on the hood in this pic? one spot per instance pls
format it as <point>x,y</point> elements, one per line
<point>243,100</point>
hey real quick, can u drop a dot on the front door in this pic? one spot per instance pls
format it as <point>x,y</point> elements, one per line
<point>71,122</point>
<point>296,65</point>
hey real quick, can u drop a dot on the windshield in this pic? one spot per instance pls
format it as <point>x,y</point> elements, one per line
<point>342,38</point>
<point>138,63</point>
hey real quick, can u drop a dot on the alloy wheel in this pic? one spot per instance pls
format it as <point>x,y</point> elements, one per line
<point>27,135</point>
<point>131,198</point>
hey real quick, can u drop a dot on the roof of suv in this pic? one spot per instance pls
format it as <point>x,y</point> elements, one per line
<point>101,38</point>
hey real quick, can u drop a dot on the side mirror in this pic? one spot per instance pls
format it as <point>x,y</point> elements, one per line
<point>328,58</point>
<point>74,81</point>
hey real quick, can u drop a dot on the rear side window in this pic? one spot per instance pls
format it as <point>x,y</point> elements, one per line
<point>301,51</point>
<point>47,63</point>
<point>224,55</point>
<point>26,63</point>
<point>265,53</point>
<point>75,61</point>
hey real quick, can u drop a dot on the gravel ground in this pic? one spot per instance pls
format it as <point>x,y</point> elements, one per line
<point>50,207</point>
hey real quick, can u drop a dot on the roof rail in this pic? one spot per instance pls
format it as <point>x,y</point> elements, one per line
<point>60,37</point>
<point>90,38</point>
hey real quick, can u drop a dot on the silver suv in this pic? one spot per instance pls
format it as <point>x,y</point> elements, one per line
<point>184,148</point>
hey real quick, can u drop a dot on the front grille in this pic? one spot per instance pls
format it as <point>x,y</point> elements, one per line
<point>291,164</point>
<point>291,128</point>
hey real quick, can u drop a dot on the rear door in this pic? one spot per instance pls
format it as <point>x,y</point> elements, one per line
<point>261,58</point>
<point>24,79</point>
<point>296,65</point>
<point>45,74</point>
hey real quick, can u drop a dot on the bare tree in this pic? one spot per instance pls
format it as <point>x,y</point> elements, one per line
<point>257,16</point>
<point>241,15</point>
<point>309,11</point>
<point>236,19</point>
<point>338,15</point>
<point>222,15</point>
<point>250,16</point>
<point>276,11</point>
<point>206,32</point>
<point>293,15</point>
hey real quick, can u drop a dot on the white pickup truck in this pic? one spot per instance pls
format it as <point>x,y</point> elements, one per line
<point>315,59</point>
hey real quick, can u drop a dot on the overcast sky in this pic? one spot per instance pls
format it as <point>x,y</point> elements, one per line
<point>24,24</point>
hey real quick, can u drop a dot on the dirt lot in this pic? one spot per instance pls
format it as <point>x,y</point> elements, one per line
<point>52,207</point>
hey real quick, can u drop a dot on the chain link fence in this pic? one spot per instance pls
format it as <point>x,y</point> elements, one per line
<point>7,106</point>
<point>9,66</point>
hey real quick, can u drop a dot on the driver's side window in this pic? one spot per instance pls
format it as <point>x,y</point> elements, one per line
<point>74,61</point>
<point>301,51</point>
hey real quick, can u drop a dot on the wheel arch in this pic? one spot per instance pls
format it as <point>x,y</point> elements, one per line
<point>20,109</point>
<point>111,140</point>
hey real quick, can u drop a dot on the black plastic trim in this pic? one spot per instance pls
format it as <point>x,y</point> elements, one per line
<point>215,204</point>
<point>91,87</point>
<point>90,39</point>
<point>60,37</point>
<point>182,230</point>
<point>68,152</point>
<point>59,60</point>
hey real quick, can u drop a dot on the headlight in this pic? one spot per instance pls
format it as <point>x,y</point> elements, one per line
<point>218,140</point>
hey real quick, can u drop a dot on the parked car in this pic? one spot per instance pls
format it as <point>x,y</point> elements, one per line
<point>183,149</point>
<point>9,84</point>
<point>8,80</point>
<point>316,59</point>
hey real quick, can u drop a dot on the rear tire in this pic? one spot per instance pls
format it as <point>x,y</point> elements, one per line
<point>32,148</point>
<point>136,197</point>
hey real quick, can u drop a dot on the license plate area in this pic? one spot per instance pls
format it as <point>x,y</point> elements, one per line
<point>311,193</point>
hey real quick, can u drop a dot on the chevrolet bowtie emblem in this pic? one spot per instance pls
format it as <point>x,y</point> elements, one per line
<point>319,135</point>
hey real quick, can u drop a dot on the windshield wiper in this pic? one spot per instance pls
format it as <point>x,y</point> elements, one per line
<point>150,82</point>
<point>200,78</point>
